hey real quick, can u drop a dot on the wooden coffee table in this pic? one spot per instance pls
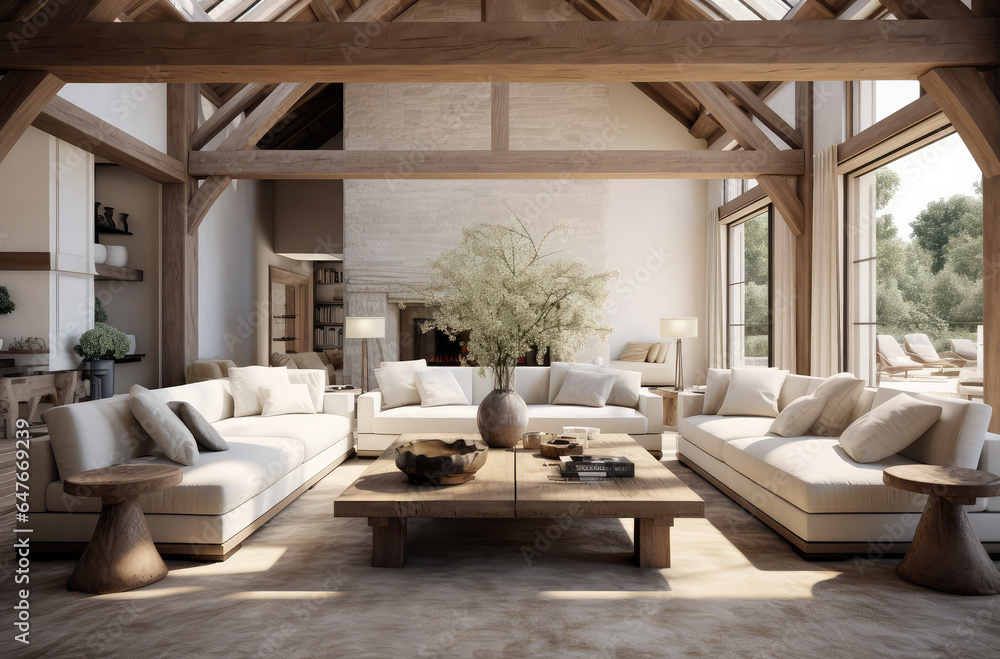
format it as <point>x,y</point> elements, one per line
<point>518,483</point>
<point>121,555</point>
<point>945,554</point>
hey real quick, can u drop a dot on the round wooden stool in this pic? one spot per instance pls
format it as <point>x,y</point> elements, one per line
<point>945,554</point>
<point>121,554</point>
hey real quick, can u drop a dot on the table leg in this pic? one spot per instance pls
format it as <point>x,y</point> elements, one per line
<point>946,554</point>
<point>388,541</point>
<point>652,541</point>
<point>121,555</point>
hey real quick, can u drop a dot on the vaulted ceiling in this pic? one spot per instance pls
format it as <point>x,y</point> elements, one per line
<point>318,115</point>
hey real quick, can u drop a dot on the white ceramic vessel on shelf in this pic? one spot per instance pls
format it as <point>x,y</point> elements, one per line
<point>117,255</point>
<point>100,253</point>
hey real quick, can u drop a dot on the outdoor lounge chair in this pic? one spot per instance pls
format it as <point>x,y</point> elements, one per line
<point>920,349</point>
<point>891,358</point>
<point>965,348</point>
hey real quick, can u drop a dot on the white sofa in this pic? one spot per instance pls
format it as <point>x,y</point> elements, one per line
<point>813,494</point>
<point>378,428</point>
<point>223,498</point>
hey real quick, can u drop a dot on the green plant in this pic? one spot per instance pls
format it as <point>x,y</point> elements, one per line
<point>100,315</point>
<point>102,342</point>
<point>6,304</point>
<point>512,297</point>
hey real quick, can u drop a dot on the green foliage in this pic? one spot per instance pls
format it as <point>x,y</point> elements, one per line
<point>6,304</point>
<point>102,342</point>
<point>934,283</point>
<point>510,295</point>
<point>100,315</point>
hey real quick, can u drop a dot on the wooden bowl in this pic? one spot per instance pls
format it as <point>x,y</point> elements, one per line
<point>560,447</point>
<point>441,461</point>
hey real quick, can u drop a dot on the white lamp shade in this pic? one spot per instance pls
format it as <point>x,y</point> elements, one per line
<point>364,327</point>
<point>678,328</point>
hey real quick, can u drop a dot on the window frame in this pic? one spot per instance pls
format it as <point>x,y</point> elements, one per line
<point>751,212</point>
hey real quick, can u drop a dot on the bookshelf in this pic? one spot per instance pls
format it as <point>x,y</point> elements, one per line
<point>328,301</point>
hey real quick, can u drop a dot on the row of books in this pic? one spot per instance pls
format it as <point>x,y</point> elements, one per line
<point>591,467</point>
<point>329,314</point>
<point>329,337</point>
<point>329,276</point>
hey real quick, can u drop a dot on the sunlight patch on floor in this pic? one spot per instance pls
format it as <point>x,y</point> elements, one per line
<point>283,595</point>
<point>151,592</point>
<point>247,559</point>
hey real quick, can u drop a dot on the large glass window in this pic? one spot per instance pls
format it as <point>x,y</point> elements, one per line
<point>916,253</point>
<point>750,291</point>
<point>874,100</point>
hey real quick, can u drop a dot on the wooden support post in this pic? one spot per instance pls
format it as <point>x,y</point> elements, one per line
<point>991,298</point>
<point>500,10</point>
<point>804,100</point>
<point>179,312</point>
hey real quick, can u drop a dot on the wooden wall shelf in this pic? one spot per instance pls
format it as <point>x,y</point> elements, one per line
<point>25,260</point>
<point>111,273</point>
<point>24,352</point>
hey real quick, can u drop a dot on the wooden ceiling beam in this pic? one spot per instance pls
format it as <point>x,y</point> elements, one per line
<point>225,115</point>
<point>325,11</point>
<point>229,10</point>
<point>764,113</point>
<point>973,110</point>
<point>23,94</point>
<point>916,9</point>
<point>646,51</point>
<point>750,136</point>
<point>477,164</point>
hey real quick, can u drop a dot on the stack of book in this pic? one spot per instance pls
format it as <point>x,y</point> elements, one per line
<point>592,467</point>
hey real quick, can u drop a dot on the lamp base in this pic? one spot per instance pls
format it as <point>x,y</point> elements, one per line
<point>679,368</point>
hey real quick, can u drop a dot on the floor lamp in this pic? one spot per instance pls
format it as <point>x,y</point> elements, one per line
<point>364,328</point>
<point>678,328</point>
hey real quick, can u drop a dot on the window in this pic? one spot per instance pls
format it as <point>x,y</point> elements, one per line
<point>915,253</point>
<point>750,291</point>
<point>734,187</point>
<point>874,100</point>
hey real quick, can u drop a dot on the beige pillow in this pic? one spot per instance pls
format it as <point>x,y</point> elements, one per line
<point>438,387</point>
<point>841,393</point>
<point>888,429</point>
<point>625,393</point>
<point>753,392</point>
<point>286,399</point>
<point>635,352</point>
<point>654,353</point>
<point>664,349</point>
<point>397,382</point>
<point>798,416</point>
<point>282,359</point>
<point>246,382</point>
<point>166,429</point>
<point>587,388</point>
<point>716,386</point>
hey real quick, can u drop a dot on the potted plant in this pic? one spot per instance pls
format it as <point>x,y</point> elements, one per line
<point>100,347</point>
<point>513,296</point>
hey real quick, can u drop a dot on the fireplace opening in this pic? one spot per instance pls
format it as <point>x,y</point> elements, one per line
<point>436,347</point>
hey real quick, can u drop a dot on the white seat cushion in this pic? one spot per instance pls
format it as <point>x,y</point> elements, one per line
<point>710,432</point>
<point>316,432</point>
<point>218,483</point>
<point>816,475</point>
<point>541,418</point>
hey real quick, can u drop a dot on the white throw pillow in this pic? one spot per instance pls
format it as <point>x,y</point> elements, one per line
<point>246,383</point>
<point>625,393</point>
<point>888,429</point>
<point>166,429</point>
<point>287,399</point>
<point>716,386</point>
<point>798,417</point>
<point>315,380</point>
<point>753,392</point>
<point>438,387</point>
<point>587,388</point>
<point>397,382</point>
<point>841,393</point>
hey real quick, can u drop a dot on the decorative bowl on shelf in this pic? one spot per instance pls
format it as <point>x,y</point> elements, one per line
<point>117,255</point>
<point>100,253</point>
<point>441,461</point>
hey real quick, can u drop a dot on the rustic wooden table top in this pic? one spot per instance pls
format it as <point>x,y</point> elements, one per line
<point>942,481</point>
<point>122,480</point>
<point>521,483</point>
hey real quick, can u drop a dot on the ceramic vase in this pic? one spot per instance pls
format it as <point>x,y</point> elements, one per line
<point>503,415</point>
<point>102,371</point>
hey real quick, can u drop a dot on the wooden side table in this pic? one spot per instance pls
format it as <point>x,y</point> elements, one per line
<point>669,405</point>
<point>945,554</point>
<point>121,555</point>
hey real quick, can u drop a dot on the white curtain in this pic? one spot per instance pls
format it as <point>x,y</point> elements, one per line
<point>827,266</point>
<point>783,294</point>
<point>716,285</point>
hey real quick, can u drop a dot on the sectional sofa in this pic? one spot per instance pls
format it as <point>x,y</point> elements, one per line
<point>223,497</point>
<point>811,492</point>
<point>378,428</point>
